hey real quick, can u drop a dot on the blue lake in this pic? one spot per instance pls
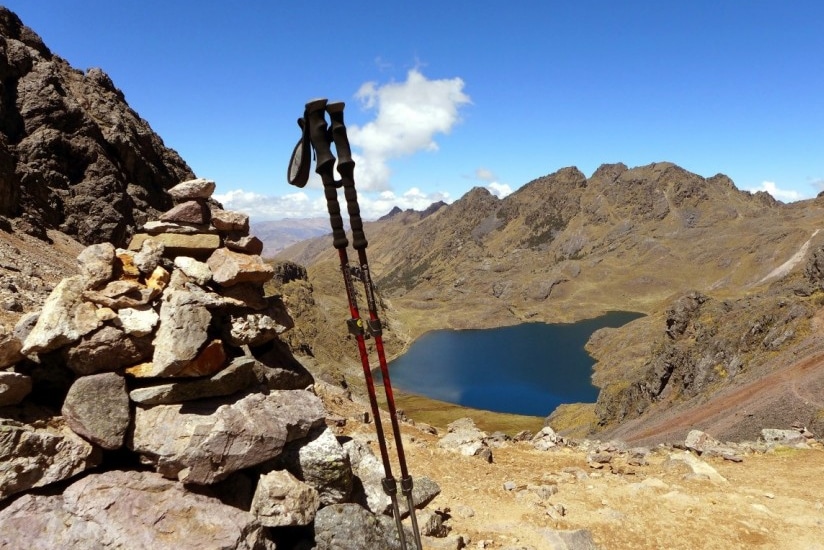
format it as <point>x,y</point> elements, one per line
<point>525,369</point>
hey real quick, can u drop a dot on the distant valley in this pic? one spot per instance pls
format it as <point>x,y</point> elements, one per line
<point>280,234</point>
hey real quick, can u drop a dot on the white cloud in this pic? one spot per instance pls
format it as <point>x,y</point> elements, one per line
<point>312,204</point>
<point>495,187</point>
<point>500,190</point>
<point>785,195</point>
<point>265,207</point>
<point>408,117</point>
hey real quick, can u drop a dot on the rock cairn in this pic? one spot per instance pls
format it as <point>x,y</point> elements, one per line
<point>154,388</point>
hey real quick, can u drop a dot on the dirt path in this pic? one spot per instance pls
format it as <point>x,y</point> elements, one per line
<point>796,386</point>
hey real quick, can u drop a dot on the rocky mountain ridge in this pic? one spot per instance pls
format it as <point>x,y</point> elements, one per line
<point>728,280</point>
<point>74,156</point>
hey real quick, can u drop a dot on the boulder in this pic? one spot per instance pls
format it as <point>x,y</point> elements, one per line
<point>149,256</point>
<point>196,245</point>
<point>96,263</point>
<point>369,470</point>
<point>105,350</point>
<point>10,346</point>
<point>321,461</point>
<point>698,466</point>
<point>137,321</point>
<point>225,220</point>
<point>192,212</point>
<point>198,188</point>
<point>784,438</point>
<point>281,500</point>
<point>352,527</point>
<point>546,439</point>
<point>97,409</point>
<point>246,244</point>
<point>35,457</point>
<point>128,510</point>
<point>204,441</point>
<point>254,329</point>
<point>277,369</point>
<point>465,438</point>
<point>182,332</point>
<point>239,375</point>
<point>197,271</point>
<point>230,268</point>
<point>64,319</point>
<point>14,387</point>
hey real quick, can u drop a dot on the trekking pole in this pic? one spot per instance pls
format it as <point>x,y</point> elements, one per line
<point>316,131</point>
<point>346,169</point>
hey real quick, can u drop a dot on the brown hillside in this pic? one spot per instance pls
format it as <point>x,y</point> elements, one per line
<point>565,247</point>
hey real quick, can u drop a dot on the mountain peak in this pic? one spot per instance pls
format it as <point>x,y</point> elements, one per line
<point>74,156</point>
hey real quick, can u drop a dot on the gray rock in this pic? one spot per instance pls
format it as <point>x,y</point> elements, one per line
<point>36,457</point>
<point>204,441</point>
<point>321,461</point>
<point>351,527</point>
<point>10,346</point>
<point>199,272</point>
<point>786,438</point>
<point>196,245</point>
<point>182,332</point>
<point>106,350</point>
<point>465,438</point>
<point>122,293</point>
<point>198,188</point>
<point>369,470</point>
<point>253,329</point>
<point>449,542</point>
<point>230,268</point>
<point>139,321</point>
<point>431,524</point>
<point>226,220</point>
<point>149,256</point>
<point>578,539</point>
<point>96,263</point>
<point>14,387</point>
<point>701,442</point>
<point>128,511</point>
<point>698,466</point>
<point>192,212</point>
<point>64,319</point>
<point>246,245</point>
<point>156,227</point>
<point>282,500</point>
<point>239,375</point>
<point>97,408</point>
<point>546,439</point>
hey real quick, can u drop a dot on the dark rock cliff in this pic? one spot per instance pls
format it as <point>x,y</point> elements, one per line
<point>73,155</point>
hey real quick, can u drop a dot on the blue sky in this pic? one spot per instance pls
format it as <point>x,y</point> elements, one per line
<point>445,96</point>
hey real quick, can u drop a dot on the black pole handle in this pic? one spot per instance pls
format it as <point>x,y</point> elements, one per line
<point>315,116</point>
<point>346,169</point>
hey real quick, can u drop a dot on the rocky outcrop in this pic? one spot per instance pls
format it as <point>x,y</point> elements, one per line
<point>73,155</point>
<point>127,510</point>
<point>706,343</point>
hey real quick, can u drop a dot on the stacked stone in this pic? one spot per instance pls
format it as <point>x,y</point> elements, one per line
<point>169,349</point>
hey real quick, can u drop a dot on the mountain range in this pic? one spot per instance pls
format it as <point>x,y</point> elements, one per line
<point>726,278</point>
